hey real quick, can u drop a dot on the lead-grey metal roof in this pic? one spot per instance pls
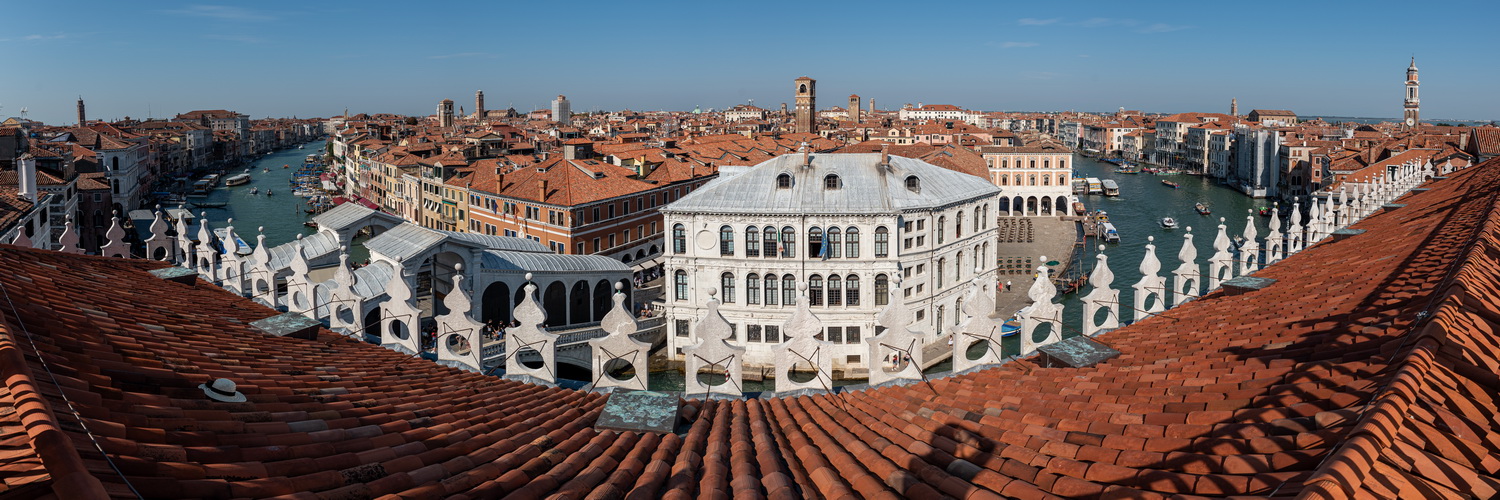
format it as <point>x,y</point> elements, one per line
<point>503,260</point>
<point>404,241</point>
<point>865,187</point>
<point>499,242</point>
<point>317,245</point>
<point>371,280</point>
<point>349,214</point>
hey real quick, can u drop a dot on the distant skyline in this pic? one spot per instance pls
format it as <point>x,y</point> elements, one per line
<point>308,59</point>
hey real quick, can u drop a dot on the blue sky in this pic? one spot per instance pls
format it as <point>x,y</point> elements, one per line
<point>317,58</point>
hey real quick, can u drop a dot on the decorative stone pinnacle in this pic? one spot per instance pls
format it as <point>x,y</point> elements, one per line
<point>619,286</point>
<point>528,276</point>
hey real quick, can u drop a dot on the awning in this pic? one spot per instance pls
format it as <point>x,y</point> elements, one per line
<point>369,204</point>
<point>646,264</point>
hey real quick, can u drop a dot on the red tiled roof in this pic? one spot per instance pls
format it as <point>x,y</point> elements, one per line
<point>1366,370</point>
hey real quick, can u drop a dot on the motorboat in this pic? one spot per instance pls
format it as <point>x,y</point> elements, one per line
<point>1111,235</point>
<point>254,190</point>
<point>1201,208</point>
<point>1110,187</point>
<point>1168,223</point>
<point>237,180</point>
<point>1170,184</point>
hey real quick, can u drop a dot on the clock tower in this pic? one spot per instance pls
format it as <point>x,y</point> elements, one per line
<point>1413,104</point>
<point>807,107</point>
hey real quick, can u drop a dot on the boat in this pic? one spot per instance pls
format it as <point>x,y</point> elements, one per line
<point>1095,187</point>
<point>1010,327</point>
<point>201,188</point>
<point>254,190</point>
<point>1080,186</point>
<point>209,204</point>
<point>1127,170</point>
<point>285,166</point>
<point>1168,223</point>
<point>1201,208</point>
<point>310,224</point>
<point>265,170</point>
<point>1078,208</point>
<point>1111,235</point>
<point>1110,188</point>
<point>1170,184</point>
<point>269,193</point>
<point>299,146</point>
<point>1264,211</point>
<point>237,179</point>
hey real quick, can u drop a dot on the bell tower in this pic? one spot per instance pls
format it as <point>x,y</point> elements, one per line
<point>807,96</point>
<point>854,108</point>
<point>1413,111</point>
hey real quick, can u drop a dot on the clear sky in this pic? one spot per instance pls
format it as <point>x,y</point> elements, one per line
<point>310,58</point>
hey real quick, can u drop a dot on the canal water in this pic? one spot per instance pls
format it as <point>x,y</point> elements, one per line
<point>1137,213</point>
<point>281,214</point>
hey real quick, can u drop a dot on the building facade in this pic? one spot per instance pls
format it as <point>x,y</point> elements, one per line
<point>850,228</point>
<point>1033,180</point>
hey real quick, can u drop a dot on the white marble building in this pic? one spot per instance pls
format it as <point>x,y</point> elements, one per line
<point>849,226</point>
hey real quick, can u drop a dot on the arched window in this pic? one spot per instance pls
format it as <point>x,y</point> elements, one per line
<point>942,223</point>
<point>815,290</point>
<point>958,267</point>
<point>958,307</point>
<point>851,242</point>
<point>815,242</point>
<point>835,290</point>
<point>679,285</point>
<point>938,321</point>
<point>978,216</point>
<point>958,225</point>
<point>984,254</point>
<point>851,289</point>
<point>1046,180</point>
<point>913,184</point>
<point>783,181</point>
<point>1062,179</point>
<point>788,242</point>
<point>942,264</point>
<point>752,241</point>
<point>1004,180</point>
<point>831,182</point>
<point>788,290</point>
<point>679,239</point>
<point>1032,179</point>
<point>882,290</point>
<point>882,242</point>
<point>726,242</point>
<point>768,242</point>
<point>835,248</point>
<point>752,289</point>
<point>726,285</point>
<point>770,289</point>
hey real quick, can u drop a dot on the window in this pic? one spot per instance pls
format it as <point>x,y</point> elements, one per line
<point>882,290</point>
<point>940,264</point>
<point>835,291</point>
<point>958,305</point>
<point>815,242</point>
<point>851,336</point>
<point>938,321</point>
<point>679,240</point>
<point>921,313</point>
<point>752,289</point>
<point>851,243</point>
<point>788,290</point>
<point>768,242</point>
<point>752,333</point>
<point>882,242</point>
<point>596,244</point>
<point>978,216</point>
<point>611,208</point>
<point>921,240</point>
<point>815,290</point>
<point>680,327</point>
<point>595,213</point>
<point>726,286</point>
<point>835,334</point>
<point>770,289</point>
<point>958,267</point>
<point>912,184</point>
<point>942,223</point>
<point>679,283</point>
<point>958,226</point>
<point>726,240</point>
<point>773,333</point>
<point>580,245</point>
<point>788,242</point>
<point>612,240</point>
<point>831,182</point>
<point>851,289</point>
<point>783,181</point>
<point>752,236</point>
<point>833,246</point>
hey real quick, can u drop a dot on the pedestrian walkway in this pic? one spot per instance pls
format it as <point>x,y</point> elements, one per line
<point>1019,256</point>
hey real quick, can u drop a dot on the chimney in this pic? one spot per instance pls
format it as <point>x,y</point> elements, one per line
<point>542,185</point>
<point>885,155</point>
<point>26,177</point>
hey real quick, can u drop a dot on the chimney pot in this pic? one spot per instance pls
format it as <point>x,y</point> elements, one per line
<point>542,185</point>
<point>885,154</point>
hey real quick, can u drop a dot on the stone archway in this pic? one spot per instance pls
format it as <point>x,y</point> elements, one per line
<point>602,302</point>
<point>495,303</point>
<point>555,303</point>
<point>578,303</point>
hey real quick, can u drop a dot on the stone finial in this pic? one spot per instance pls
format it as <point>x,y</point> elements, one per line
<point>619,324</point>
<point>977,327</point>
<point>1103,296</point>
<point>714,352</point>
<point>21,240</point>
<point>159,242</point>
<point>530,336</point>
<point>116,246</point>
<point>1221,264</point>
<point>343,276</point>
<point>459,339</point>
<point>1186,278</point>
<point>1151,283</point>
<point>1250,248</point>
<point>1275,241</point>
<point>896,353</point>
<point>69,237</point>
<point>1296,234</point>
<point>802,346</point>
